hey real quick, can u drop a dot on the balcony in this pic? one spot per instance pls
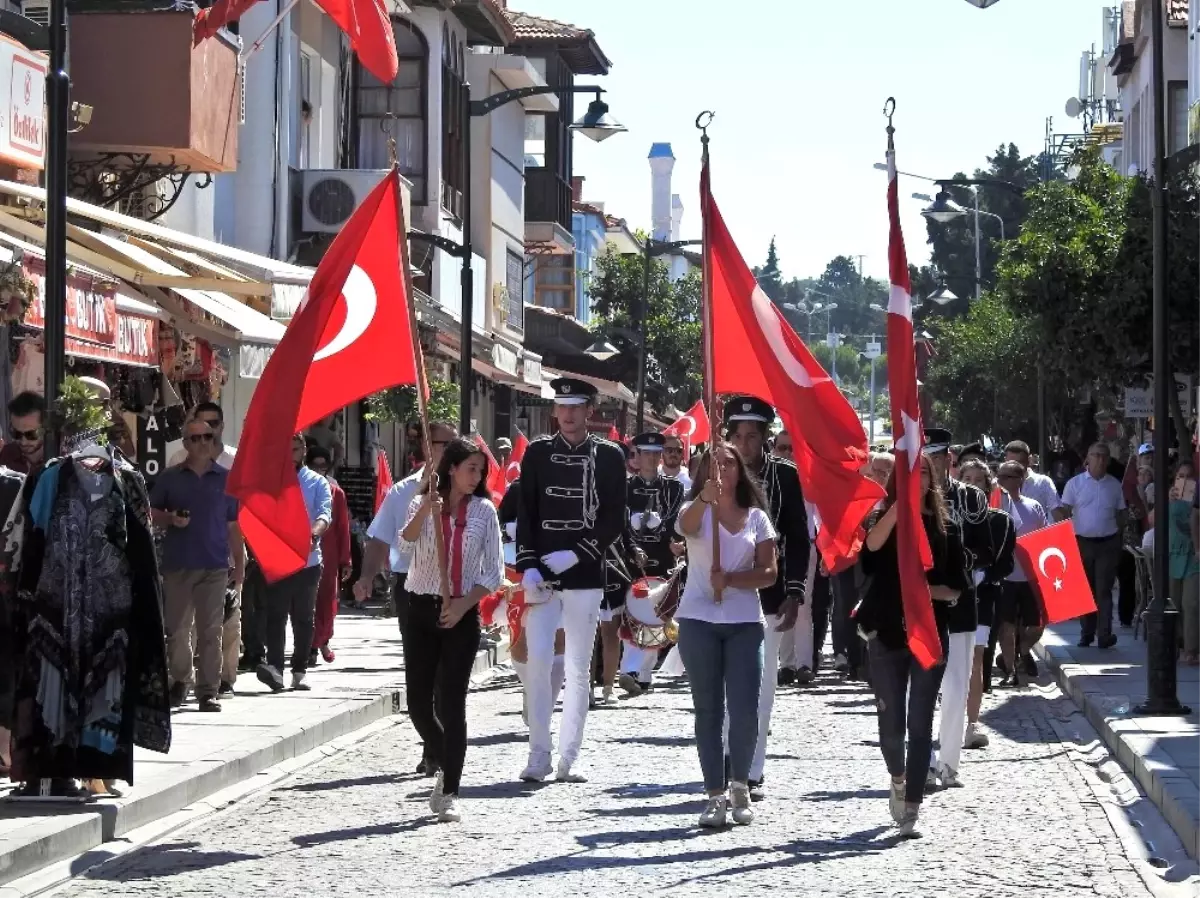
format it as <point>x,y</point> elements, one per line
<point>547,197</point>
<point>166,104</point>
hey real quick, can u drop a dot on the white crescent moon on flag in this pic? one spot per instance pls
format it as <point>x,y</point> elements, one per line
<point>691,426</point>
<point>768,322</point>
<point>512,471</point>
<point>1047,554</point>
<point>359,294</point>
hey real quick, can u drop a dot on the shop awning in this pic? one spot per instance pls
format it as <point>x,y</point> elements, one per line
<point>609,388</point>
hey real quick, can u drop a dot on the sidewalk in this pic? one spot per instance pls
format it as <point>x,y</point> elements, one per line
<point>209,752</point>
<point>1163,753</point>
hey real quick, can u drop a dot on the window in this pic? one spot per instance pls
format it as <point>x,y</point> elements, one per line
<point>302,122</point>
<point>1177,116</point>
<point>397,110</point>
<point>453,139</point>
<point>514,281</point>
<point>535,140</point>
<point>555,283</point>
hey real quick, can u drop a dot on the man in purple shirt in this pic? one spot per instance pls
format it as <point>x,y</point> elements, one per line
<point>202,542</point>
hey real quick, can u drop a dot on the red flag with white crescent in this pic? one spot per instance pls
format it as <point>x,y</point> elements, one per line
<point>1051,561</point>
<point>912,546</point>
<point>692,428</point>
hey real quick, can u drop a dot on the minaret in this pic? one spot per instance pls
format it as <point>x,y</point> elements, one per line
<point>676,216</point>
<point>662,162</point>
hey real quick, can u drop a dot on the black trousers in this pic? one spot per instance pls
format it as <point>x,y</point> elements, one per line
<point>822,601</point>
<point>254,614</point>
<point>845,637</point>
<point>905,697</point>
<point>294,596</point>
<point>437,676</point>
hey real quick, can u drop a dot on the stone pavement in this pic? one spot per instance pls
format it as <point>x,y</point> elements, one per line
<point>1034,819</point>
<point>254,731</point>
<point>1163,753</point>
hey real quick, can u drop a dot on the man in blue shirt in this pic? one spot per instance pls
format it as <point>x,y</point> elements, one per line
<point>202,537</point>
<point>295,596</point>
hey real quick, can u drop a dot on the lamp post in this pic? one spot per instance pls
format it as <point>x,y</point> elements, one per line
<point>650,249</point>
<point>874,350</point>
<point>595,124</point>
<point>1162,688</point>
<point>58,111</point>
<point>944,210</point>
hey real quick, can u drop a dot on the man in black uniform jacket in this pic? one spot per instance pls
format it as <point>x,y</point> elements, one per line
<point>747,420</point>
<point>654,502</point>
<point>572,508</point>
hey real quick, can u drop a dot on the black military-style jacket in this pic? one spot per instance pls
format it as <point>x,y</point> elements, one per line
<point>968,510</point>
<point>661,497</point>
<point>781,482</point>
<point>573,499</point>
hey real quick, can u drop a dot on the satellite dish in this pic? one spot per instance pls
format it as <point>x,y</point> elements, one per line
<point>1074,107</point>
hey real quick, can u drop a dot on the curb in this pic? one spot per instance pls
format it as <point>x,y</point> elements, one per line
<point>1171,791</point>
<point>89,827</point>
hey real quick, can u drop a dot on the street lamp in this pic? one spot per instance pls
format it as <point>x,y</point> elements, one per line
<point>602,350</point>
<point>942,296</point>
<point>1162,687</point>
<point>596,124</point>
<point>650,249</point>
<point>944,210</point>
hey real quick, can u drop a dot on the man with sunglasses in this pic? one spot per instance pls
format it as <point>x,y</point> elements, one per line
<point>25,451</point>
<point>212,415</point>
<point>672,462</point>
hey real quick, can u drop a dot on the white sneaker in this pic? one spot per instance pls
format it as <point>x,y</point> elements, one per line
<point>449,812</point>
<point>564,774</point>
<point>974,738</point>
<point>896,800</point>
<point>908,824</point>
<point>538,768</point>
<point>629,683</point>
<point>298,681</point>
<point>739,794</point>
<point>714,813</point>
<point>437,798</point>
<point>949,778</point>
<point>607,697</point>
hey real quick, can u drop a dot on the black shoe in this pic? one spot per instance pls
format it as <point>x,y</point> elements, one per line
<point>314,658</point>
<point>1029,665</point>
<point>1107,642</point>
<point>270,678</point>
<point>178,694</point>
<point>756,790</point>
<point>1084,642</point>
<point>248,664</point>
<point>428,767</point>
<point>787,677</point>
<point>646,687</point>
<point>226,690</point>
<point>209,704</point>
<point>804,676</point>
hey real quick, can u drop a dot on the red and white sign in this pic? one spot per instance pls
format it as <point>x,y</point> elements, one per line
<point>22,105</point>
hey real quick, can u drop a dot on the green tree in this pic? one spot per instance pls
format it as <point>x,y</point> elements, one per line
<point>672,325</point>
<point>842,283</point>
<point>770,278</point>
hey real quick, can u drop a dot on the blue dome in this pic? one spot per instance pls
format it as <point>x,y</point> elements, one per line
<point>661,151</point>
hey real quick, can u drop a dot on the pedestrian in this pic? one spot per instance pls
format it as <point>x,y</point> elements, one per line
<point>384,551</point>
<point>1019,614</point>
<point>295,596</point>
<point>335,558</point>
<point>906,692</point>
<point>1184,565</point>
<point>721,623</point>
<point>202,537</point>
<point>672,461</point>
<point>571,511</point>
<point>442,636</point>
<point>25,452</point>
<point>1095,503</point>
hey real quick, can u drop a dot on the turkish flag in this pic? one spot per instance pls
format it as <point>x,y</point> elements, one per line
<point>755,351</point>
<point>692,429</point>
<point>366,23</point>
<point>512,471</point>
<point>1051,561</point>
<point>613,433</point>
<point>495,477</point>
<point>383,478</point>
<point>350,337</point>
<point>912,545</point>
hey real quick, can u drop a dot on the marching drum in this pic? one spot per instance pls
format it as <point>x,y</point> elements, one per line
<point>650,604</point>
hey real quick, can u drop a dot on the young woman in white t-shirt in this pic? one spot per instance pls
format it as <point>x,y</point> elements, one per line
<point>721,622</point>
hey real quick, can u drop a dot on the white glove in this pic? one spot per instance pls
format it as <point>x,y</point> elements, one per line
<point>511,529</point>
<point>534,587</point>
<point>562,560</point>
<point>653,521</point>
<point>635,520</point>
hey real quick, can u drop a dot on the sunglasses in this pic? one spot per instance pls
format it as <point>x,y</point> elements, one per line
<point>30,436</point>
<point>200,438</point>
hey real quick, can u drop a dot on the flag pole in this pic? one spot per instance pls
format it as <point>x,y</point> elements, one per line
<point>422,383</point>
<point>715,449</point>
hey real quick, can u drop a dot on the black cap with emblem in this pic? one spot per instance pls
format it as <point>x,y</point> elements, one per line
<point>572,391</point>
<point>937,440</point>
<point>972,450</point>
<point>649,442</point>
<point>748,408</point>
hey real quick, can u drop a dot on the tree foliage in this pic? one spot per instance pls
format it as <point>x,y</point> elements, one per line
<point>400,403</point>
<point>672,323</point>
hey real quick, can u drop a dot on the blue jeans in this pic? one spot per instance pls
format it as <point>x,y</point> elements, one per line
<point>905,698</point>
<point>724,664</point>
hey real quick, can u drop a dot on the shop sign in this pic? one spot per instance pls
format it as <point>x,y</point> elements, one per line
<point>91,304</point>
<point>531,370</point>
<point>252,360</point>
<point>152,446</point>
<point>1139,401</point>
<point>22,105</point>
<point>504,359</point>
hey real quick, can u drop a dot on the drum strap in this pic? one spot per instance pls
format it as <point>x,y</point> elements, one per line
<point>454,547</point>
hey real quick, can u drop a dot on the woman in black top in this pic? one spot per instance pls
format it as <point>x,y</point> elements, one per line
<point>895,673</point>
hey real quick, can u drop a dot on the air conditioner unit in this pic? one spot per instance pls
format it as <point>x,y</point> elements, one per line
<point>332,195</point>
<point>37,10</point>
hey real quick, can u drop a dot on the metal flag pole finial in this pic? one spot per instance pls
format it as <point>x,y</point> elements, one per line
<point>889,110</point>
<point>703,120</point>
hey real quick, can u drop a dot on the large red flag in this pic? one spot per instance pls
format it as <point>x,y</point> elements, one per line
<point>912,546</point>
<point>512,471</point>
<point>1051,561</point>
<point>350,337</point>
<point>692,428</point>
<point>383,478</point>
<point>755,351</point>
<point>495,477</point>
<point>366,23</point>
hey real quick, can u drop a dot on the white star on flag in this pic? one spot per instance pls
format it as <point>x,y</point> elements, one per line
<point>1058,584</point>
<point>910,440</point>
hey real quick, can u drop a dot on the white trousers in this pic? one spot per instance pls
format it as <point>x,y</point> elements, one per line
<point>766,695</point>
<point>638,661</point>
<point>955,684</point>
<point>796,646</point>
<point>577,612</point>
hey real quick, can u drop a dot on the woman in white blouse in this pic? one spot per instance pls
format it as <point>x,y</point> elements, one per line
<point>441,640</point>
<point>721,622</point>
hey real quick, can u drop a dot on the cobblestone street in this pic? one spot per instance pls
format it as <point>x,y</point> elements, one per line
<point>1029,821</point>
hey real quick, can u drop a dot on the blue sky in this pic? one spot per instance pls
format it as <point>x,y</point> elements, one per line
<point>798,87</point>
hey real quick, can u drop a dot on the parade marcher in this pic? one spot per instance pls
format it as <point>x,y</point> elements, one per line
<point>443,636</point>
<point>335,559</point>
<point>721,623</point>
<point>747,420</point>
<point>905,692</point>
<point>967,516</point>
<point>572,510</point>
<point>384,549</point>
<point>654,502</point>
<point>1019,615</point>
